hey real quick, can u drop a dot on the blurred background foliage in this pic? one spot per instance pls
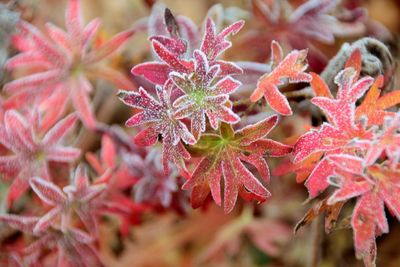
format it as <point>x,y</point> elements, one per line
<point>259,235</point>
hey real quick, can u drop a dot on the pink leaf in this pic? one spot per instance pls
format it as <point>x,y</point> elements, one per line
<point>47,191</point>
<point>60,37</point>
<point>63,154</point>
<point>22,223</point>
<point>47,220</point>
<point>169,57</point>
<point>18,128</point>
<point>160,119</point>
<point>156,72</point>
<point>214,44</point>
<point>33,80</point>
<point>59,130</point>
<point>81,103</point>
<point>73,18</point>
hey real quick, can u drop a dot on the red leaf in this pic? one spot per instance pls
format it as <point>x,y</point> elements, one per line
<point>291,67</point>
<point>160,119</point>
<point>224,154</point>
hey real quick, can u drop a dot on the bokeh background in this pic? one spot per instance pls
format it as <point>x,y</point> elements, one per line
<point>259,235</point>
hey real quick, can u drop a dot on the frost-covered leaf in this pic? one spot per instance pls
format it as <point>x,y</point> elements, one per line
<point>224,156</point>
<point>374,188</point>
<point>47,191</point>
<point>374,107</point>
<point>342,134</point>
<point>174,50</point>
<point>355,61</point>
<point>204,94</point>
<point>342,126</point>
<point>387,141</point>
<point>159,117</point>
<point>31,150</point>
<point>302,169</point>
<point>66,61</point>
<point>341,111</point>
<point>292,67</point>
<point>178,33</point>
<point>79,197</point>
<point>158,72</point>
<point>213,43</point>
<point>118,171</point>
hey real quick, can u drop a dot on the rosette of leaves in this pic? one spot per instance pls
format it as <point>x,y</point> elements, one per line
<point>224,155</point>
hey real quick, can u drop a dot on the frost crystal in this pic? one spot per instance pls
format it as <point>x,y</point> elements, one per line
<point>204,94</point>
<point>160,119</point>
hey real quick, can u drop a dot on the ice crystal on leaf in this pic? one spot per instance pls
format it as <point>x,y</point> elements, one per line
<point>374,107</point>
<point>31,149</point>
<point>80,197</point>
<point>340,132</point>
<point>214,44</point>
<point>160,119</point>
<point>203,80</point>
<point>291,67</point>
<point>184,117</point>
<point>355,150</point>
<point>157,72</point>
<point>172,53</point>
<point>375,186</point>
<point>64,63</point>
<point>225,154</point>
<point>386,141</point>
<point>204,94</point>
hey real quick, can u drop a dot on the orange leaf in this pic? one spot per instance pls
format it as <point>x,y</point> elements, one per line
<point>354,61</point>
<point>319,86</point>
<point>373,106</point>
